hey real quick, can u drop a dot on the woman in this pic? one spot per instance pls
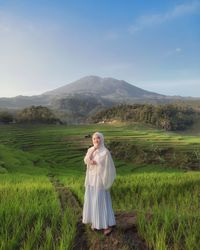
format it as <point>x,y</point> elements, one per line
<point>100,174</point>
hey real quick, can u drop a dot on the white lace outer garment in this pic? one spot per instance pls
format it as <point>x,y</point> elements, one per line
<point>102,174</point>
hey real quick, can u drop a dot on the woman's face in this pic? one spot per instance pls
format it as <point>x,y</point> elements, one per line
<point>96,141</point>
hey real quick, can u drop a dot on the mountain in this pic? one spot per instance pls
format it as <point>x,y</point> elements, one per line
<point>77,100</point>
<point>108,88</point>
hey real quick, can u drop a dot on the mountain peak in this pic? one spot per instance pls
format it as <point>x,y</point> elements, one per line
<point>106,87</point>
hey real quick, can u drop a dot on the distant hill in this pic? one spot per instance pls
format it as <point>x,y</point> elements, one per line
<point>76,108</point>
<point>20,102</point>
<point>88,95</point>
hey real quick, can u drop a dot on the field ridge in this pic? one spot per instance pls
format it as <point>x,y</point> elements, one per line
<point>66,199</point>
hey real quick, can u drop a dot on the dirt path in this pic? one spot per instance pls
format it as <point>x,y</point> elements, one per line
<point>67,199</point>
<point>123,237</point>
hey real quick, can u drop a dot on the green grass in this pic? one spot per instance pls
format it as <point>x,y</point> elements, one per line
<point>29,153</point>
<point>30,214</point>
<point>62,147</point>
<point>171,198</point>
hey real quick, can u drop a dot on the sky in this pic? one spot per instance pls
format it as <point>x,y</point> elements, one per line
<point>154,45</point>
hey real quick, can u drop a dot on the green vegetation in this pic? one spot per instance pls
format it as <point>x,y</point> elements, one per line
<point>167,194</point>
<point>76,108</point>
<point>36,114</point>
<point>193,103</point>
<point>154,154</point>
<point>30,215</point>
<point>167,116</point>
<point>170,201</point>
<point>6,117</point>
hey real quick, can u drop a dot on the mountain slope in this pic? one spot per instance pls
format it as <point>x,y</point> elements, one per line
<point>107,90</point>
<point>105,87</point>
<point>19,102</point>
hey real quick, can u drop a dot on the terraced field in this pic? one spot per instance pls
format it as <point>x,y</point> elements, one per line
<point>42,191</point>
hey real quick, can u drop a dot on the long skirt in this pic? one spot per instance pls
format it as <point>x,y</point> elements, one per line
<point>97,208</point>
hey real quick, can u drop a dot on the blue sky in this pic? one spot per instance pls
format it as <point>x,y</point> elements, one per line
<point>154,45</point>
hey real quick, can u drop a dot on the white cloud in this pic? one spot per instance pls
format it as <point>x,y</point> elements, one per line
<point>176,51</point>
<point>184,9</point>
<point>151,20</point>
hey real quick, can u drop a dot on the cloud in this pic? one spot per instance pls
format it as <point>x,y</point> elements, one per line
<point>176,51</point>
<point>151,20</point>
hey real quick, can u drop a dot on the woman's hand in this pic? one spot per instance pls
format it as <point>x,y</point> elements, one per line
<point>92,162</point>
<point>95,148</point>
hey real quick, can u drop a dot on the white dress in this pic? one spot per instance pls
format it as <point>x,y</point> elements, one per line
<point>97,208</point>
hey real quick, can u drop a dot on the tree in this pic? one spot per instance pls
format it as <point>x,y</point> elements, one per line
<point>6,117</point>
<point>37,114</point>
<point>167,116</point>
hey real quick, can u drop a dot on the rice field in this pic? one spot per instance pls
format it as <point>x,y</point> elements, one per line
<point>31,216</point>
<point>172,201</point>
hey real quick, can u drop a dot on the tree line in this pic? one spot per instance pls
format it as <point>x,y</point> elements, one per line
<point>166,116</point>
<point>32,114</point>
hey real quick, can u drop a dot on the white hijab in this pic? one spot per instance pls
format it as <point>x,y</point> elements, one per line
<point>106,167</point>
<point>100,135</point>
